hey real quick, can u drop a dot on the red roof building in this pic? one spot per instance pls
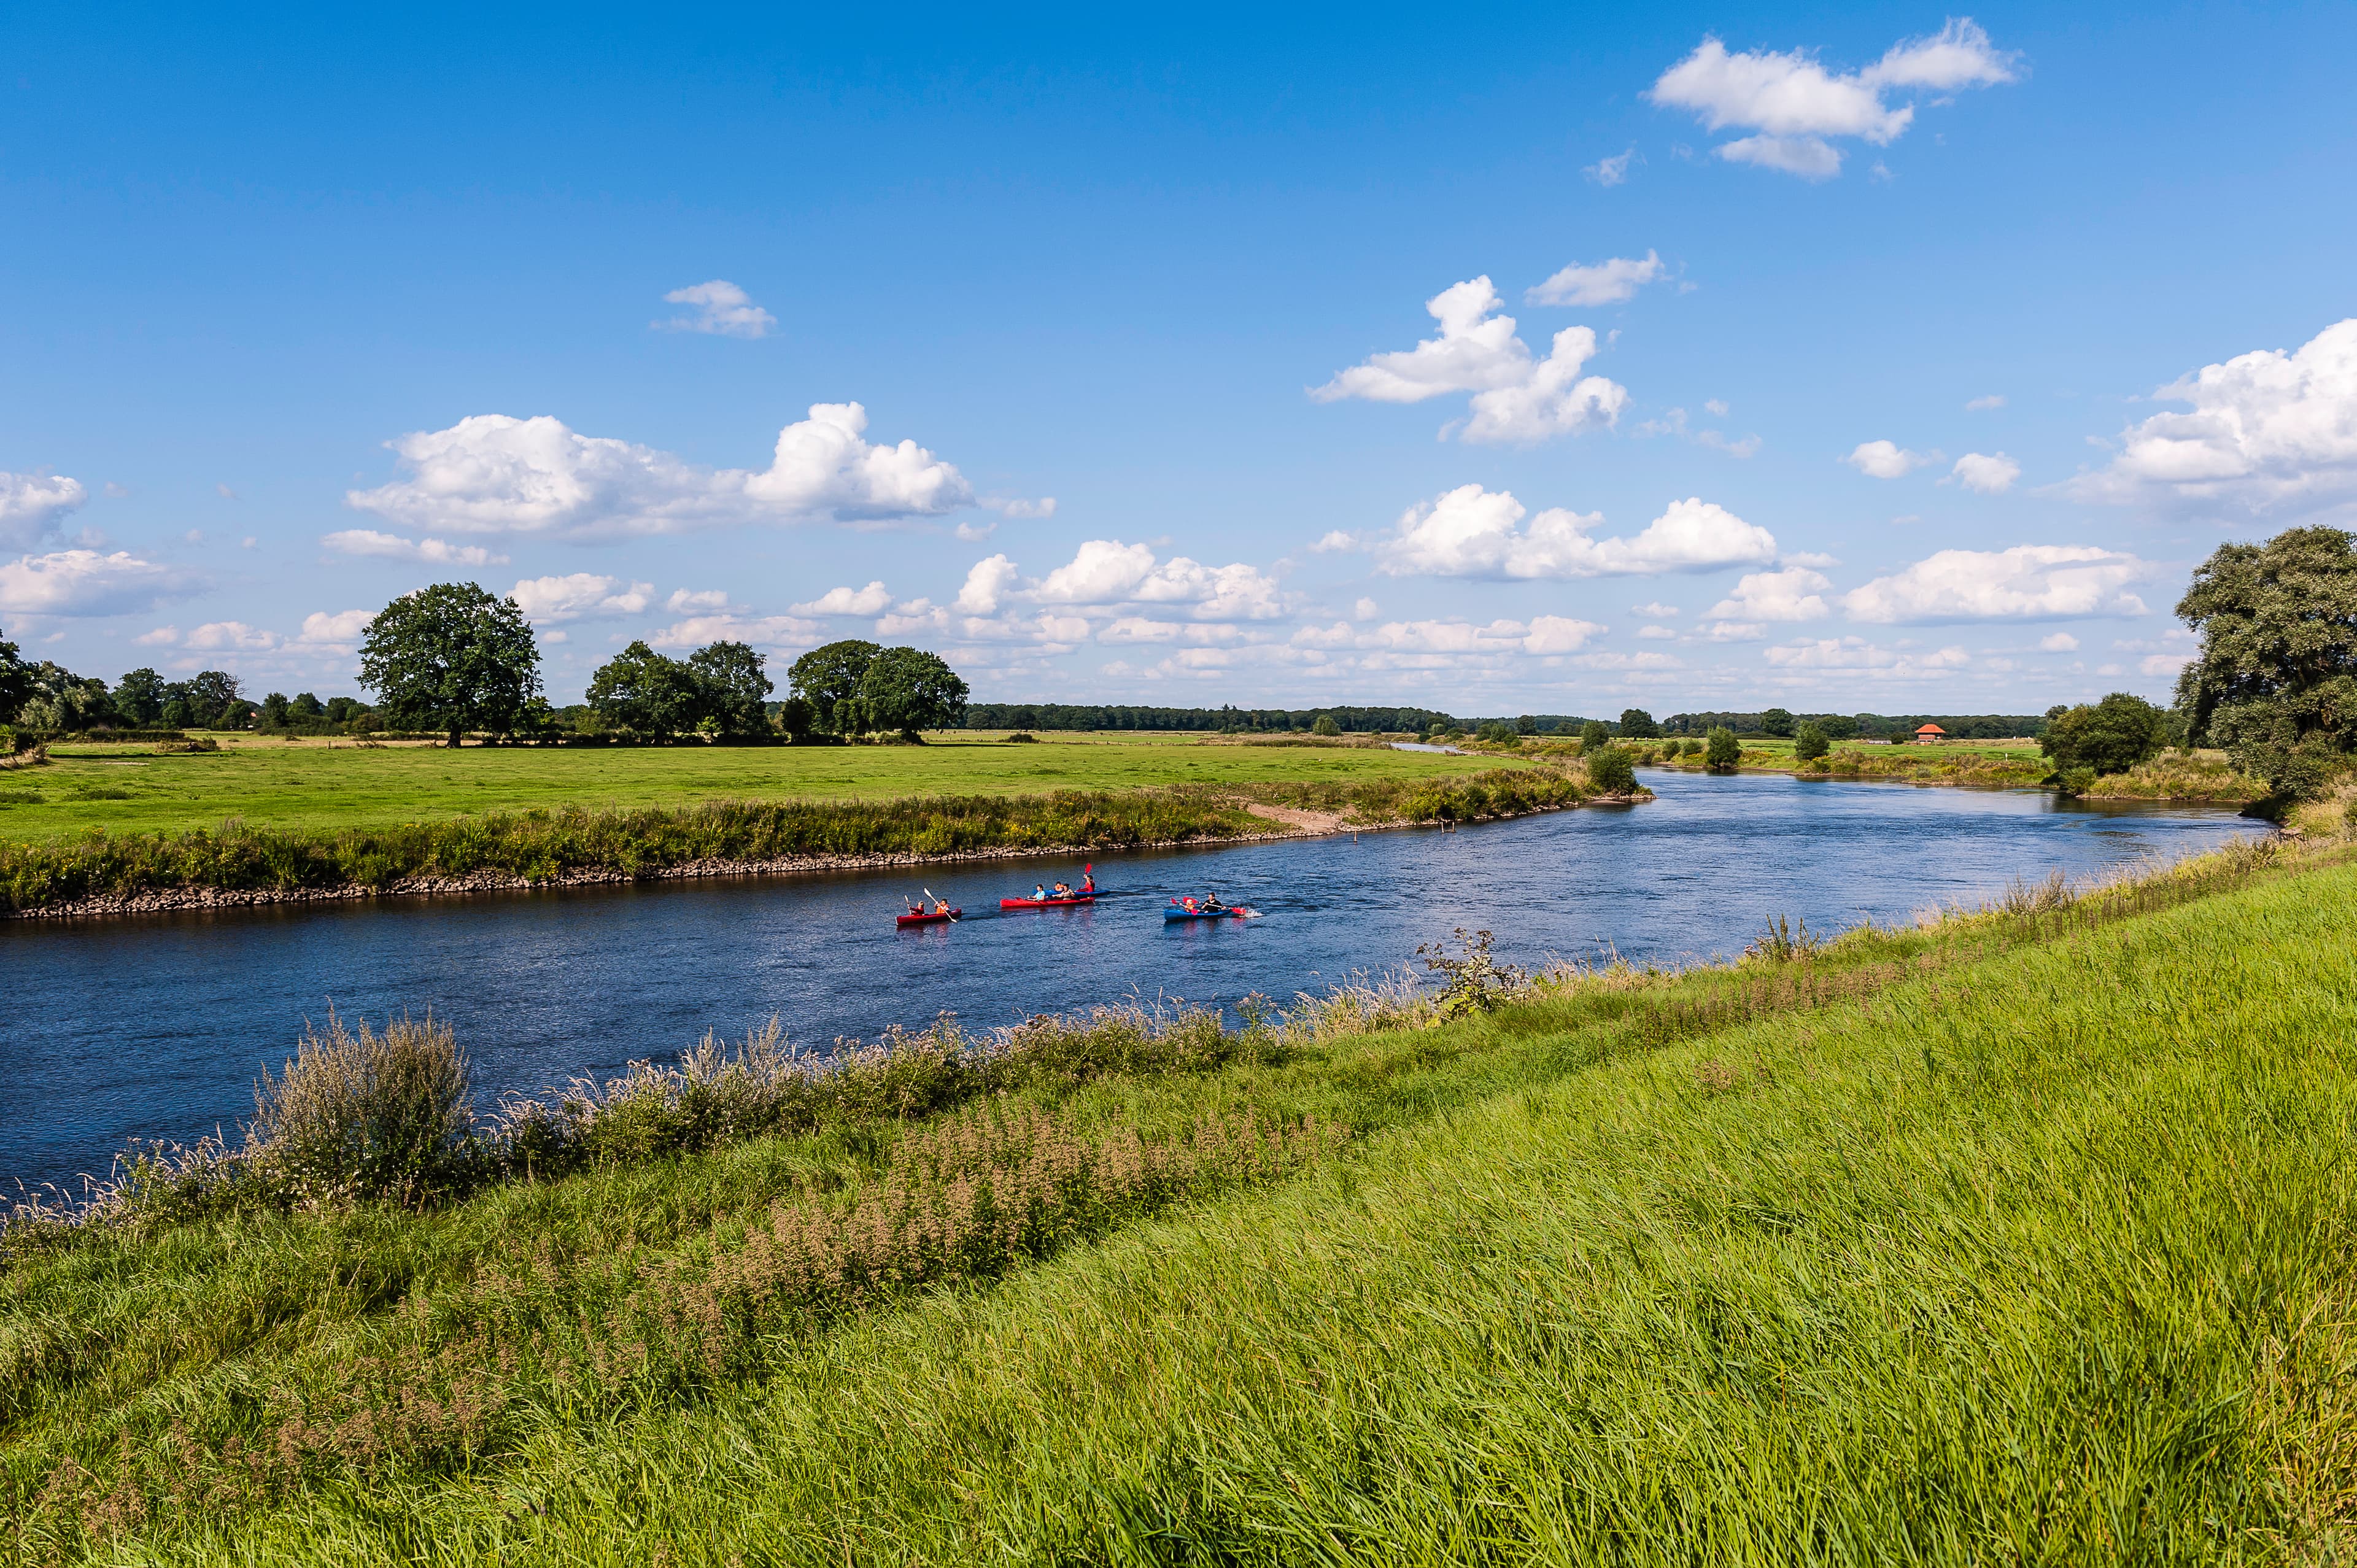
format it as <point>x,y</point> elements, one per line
<point>1929,734</point>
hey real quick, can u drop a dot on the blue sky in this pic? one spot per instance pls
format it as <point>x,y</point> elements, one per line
<point>1866,358</point>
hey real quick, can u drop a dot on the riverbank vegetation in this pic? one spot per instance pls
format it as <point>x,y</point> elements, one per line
<point>552,845</point>
<point>1624,1262</point>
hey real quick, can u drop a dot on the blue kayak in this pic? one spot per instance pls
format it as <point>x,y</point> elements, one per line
<point>1180,912</point>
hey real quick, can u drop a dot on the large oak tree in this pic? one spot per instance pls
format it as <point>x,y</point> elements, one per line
<point>2275,681</point>
<point>451,658</point>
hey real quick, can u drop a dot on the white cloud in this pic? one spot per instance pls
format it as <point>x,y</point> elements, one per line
<point>2270,432</point>
<point>1983,404</point>
<point>721,308</point>
<point>697,601</point>
<point>1516,398</point>
<point>1734,631</point>
<point>760,631</point>
<point>868,601</point>
<point>31,505</point>
<point>1792,104</point>
<point>493,473</point>
<point>2058,642</point>
<point>392,547</point>
<point>1884,459</point>
<point>1657,633</point>
<point>88,583</point>
<point>1992,474</point>
<point>1105,573</point>
<point>1854,655</point>
<point>231,637</point>
<point>1716,407</point>
<point>1606,283</point>
<point>1812,558</point>
<point>2163,663</point>
<point>1747,447</point>
<point>975,532</point>
<point>1472,533</point>
<point>1334,540</point>
<point>342,629</point>
<point>1656,609</point>
<point>987,584</point>
<point>1016,506</point>
<point>579,595</point>
<point>1791,594</point>
<point>2029,582</point>
<point>1542,635</point>
<point>1365,609</point>
<point>1611,171</point>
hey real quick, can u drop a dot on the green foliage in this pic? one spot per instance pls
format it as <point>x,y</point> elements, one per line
<point>645,692</point>
<point>15,680</point>
<point>451,658</point>
<point>1721,750</point>
<point>1496,732</point>
<point>795,717</point>
<point>2275,681</point>
<point>139,697</point>
<point>1325,726</point>
<point>1611,771</point>
<point>1636,724</point>
<point>1472,981</point>
<point>2109,736</point>
<point>1776,722</point>
<point>909,689</point>
<point>733,688</point>
<point>1809,742</point>
<point>368,1115</point>
<point>829,676</point>
<point>2077,780</point>
<point>1594,737</point>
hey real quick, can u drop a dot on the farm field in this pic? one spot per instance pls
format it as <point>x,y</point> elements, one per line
<point>322,784</point>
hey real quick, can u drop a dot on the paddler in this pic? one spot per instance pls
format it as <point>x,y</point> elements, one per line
<point>940,906</point>
<point>1088,885</point>
<point>1039,892</point>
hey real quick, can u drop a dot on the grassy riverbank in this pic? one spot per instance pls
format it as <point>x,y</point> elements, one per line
<point>1917,1237</point>
<point>2204,776</point>
<point>318,785</point>
<point>535,846</point>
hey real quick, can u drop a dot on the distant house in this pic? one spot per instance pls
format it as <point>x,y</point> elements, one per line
<point>1929,734</point>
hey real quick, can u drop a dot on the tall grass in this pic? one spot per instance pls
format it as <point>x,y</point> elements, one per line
<point>1637,1262</point>
<point>543,845</point>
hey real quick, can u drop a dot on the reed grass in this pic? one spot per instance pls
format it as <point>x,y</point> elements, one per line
<point>2013,1233</point>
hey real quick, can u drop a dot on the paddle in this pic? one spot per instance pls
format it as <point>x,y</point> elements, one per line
<point>929,894</point>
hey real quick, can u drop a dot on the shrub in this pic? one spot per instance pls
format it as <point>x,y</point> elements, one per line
<point>1476,983</point>
<point>1022,737</point>
<point>1723,751</point>
<point>368,1115</point>
<point>1325,726</point>
<point>2110,736</point>
<point>1594,737</point>
<point>1809,742</point>
<point>2078,780</point>
<point>1612,772</point>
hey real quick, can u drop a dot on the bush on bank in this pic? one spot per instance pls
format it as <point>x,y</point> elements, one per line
<point>541,845</point>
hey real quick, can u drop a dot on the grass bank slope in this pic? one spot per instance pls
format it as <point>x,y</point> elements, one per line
<point>2024,1238</point>
<point>318,786</point>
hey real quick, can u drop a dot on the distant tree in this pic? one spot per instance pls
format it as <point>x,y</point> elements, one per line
<point>139,698</point>
<point>1325,726</point>
<point>1611,771</point>
<point>1809,741</point>
<point>1594,737</point>
<point>214,696</point>
<point>2275,681</point>
<point>1636,724</point>
<point>1495,732</point>
<point>849,717</point>
<point>645,693</point>
<point>1776,722</point>
<point>274,710</point>
<point>1721,750</point>
<point>2110,736</point>
<point>16,681</point>
<point>1838,726</point>
<point>909,689</point>
<point>735,687</point>
<point>306,705</point>
<point>826,677</point>
<point>2057,710</point>
<point>59,699</point>
<point>344,710</point>
<point>451,658</point>
<point>1527,724</point>
<point>794,717</point>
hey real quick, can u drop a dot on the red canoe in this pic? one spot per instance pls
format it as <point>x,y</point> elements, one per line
<point>929,920</point>
<point>1047,903</point>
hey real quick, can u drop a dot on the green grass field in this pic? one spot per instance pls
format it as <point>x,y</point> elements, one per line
<point>1925,1248</point>
<point>318,785</point>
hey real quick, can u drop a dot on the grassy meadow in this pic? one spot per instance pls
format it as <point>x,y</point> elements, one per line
<point>1914,1245</point>
<point>323,785</point>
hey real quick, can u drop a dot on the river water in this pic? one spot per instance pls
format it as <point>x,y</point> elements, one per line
<point>157,1026</point>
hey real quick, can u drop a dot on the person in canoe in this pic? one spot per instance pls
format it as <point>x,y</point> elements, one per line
<point>1040,892</point>
<point>1089,883</point>
<point>1063,889</point>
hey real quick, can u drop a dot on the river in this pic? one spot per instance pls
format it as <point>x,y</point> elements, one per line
<point>156,1026</point>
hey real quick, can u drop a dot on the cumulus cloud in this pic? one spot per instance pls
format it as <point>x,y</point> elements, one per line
<point>394,547</point>
<point>987,584</point>
<point>1017,507</point>
<point>1983,404</point>
<point>1540,635</point>
<point>1606,283</point>
<point>871,600</point>
<point>1105,573</point>
<point>1794,106</point>
<point>2029,582</point>
<point>2058,642</point>
<point>341,628</point>
<point>31,505</point>
<point>490,473</point>
<point>1516,397</point>
<point>1990,473</point>
<point>720,307</point>
<point>1472,533</point>
<point>579,595</point>
<point>88,583</point>
<point>1789,595</point>
<point>760,631</point>
<point>694,601</point>
<point>2270,432</point>
<point>231,637</point>
<point>1884,459</point>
